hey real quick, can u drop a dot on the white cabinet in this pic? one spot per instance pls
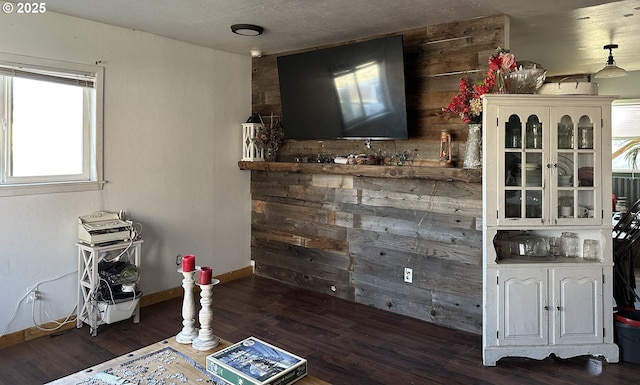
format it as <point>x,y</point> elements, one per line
<point>549,306</point>
<point>548,167</point>
<point>545,173</point>
<point>542,310</point>
<point>90,310</point>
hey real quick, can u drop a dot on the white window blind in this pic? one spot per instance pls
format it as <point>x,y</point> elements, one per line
<point>625,119</point>
<point>51,117</point>
<point>48,75</point>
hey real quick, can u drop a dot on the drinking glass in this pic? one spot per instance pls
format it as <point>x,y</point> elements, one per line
<point>590,250</point>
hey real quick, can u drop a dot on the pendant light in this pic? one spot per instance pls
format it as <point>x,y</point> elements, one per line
<point>611,70</point>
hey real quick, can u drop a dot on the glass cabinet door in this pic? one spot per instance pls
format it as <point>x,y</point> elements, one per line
<point>574,175</point>
<point>523,164</point>
<point>548,165</point>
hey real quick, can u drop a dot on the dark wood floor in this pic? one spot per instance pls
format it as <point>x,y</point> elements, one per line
<point>344,343</point>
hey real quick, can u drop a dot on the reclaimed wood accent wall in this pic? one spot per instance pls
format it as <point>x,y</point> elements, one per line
<point>351,236</point>
<point>435,59</point>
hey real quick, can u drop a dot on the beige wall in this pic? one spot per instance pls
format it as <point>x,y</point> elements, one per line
<point>627,87</point>
<point>172,141</point>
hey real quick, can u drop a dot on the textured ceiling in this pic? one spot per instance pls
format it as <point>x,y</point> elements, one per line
<point>572,41</point>
<point>556,33</point>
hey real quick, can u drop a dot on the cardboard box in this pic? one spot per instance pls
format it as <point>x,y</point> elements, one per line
<point>255,362</point>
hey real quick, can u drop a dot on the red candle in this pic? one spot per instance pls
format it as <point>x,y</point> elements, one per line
<point>189,263</point>
<point>205,276</point>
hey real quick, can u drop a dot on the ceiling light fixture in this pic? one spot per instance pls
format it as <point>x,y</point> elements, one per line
<point>611,70</point>
<point>247,29</point>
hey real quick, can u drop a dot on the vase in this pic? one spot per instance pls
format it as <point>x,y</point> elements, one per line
<point>270,154</point>
<point>501,84</point>
<point>473,152</point>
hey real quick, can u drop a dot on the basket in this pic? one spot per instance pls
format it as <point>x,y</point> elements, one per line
<point>627,334</point>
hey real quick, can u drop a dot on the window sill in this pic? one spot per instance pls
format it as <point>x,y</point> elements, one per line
<point>49,188</point>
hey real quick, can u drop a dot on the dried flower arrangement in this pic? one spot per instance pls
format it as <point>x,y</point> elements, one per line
<point>270,137</point>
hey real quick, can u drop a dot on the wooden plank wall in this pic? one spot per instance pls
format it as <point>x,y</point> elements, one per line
<point>351,236</point>
<point>435,57</point>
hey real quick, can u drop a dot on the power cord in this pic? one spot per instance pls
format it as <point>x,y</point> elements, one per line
<point>59,324</point>
<point>117,258</point>
<point>108,288</point>
<point>24,297</point>
<point>91,293</point>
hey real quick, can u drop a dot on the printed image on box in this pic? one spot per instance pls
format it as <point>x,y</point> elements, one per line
<point>256,362</point>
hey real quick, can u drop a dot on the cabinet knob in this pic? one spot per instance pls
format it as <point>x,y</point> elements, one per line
<point>546,307</point>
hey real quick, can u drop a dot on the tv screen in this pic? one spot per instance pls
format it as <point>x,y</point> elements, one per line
<point>350,91</point>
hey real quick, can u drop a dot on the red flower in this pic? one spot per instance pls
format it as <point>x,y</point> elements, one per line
<point>467,104</point>
<point>502,59</point>
<point>495,63</point>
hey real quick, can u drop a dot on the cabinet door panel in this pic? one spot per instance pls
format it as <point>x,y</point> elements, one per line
<point>522,169</point>
<point>577,306</point>
<point>575,165</point>
<point>522,300</point>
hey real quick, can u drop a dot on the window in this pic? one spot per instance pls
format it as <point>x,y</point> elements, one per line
<point>51,121</point>
<point>362,93</point>
<point>625,123</point>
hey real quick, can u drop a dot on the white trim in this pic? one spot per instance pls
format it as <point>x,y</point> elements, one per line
<point>49,188</point>
<point>48,64</point>
<point>93,163</point>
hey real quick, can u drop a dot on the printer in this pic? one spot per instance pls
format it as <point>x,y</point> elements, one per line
<point>103,227</point>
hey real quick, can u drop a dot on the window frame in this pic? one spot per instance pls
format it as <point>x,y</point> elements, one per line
<point>630,139</point>
<point>92,179</point>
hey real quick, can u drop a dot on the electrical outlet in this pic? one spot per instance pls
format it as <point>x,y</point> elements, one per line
<point>479,223</point>
<point>33,296</point>
<point>408,275</point>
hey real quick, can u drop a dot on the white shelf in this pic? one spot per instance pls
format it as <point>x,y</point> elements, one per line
<point>88,282</point>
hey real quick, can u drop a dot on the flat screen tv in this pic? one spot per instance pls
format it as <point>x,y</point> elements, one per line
<point>352,91</point>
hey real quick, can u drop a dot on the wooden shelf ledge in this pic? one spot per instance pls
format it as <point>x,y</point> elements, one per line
<point>400,172</point>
